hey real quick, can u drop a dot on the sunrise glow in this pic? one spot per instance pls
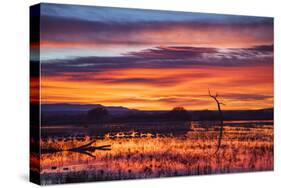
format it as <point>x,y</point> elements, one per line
<point>156,63</point>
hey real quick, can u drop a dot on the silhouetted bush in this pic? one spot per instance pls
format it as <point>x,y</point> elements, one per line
<point>178,113</point>
<point>99,114</point>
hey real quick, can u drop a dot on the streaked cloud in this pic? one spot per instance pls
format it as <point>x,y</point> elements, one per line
<point>161,57</point>
<point>154,59</point>
<point>62,32</point>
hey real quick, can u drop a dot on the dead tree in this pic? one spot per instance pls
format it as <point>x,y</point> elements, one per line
<point>215,97</point>
<point>86,149</point>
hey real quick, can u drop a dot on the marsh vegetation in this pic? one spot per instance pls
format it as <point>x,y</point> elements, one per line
<point>141,152</point>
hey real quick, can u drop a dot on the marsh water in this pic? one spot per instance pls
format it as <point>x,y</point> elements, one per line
<point>147,150</point>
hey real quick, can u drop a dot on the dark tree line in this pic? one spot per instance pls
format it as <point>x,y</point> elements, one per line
<point>101,114</point>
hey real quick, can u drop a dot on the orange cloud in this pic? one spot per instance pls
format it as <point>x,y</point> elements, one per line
<point>241,87</point>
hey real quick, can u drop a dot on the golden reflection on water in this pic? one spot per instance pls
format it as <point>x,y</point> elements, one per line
<point>248,147</point>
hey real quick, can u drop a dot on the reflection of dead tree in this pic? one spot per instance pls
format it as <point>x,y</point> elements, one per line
<point>86,149</point>
<point>215,97</point>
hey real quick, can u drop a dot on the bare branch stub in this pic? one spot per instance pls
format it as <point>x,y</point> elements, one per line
<point>215,97</point>
<point>86,149</point>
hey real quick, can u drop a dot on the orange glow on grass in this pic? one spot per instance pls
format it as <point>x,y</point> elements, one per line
<point>242,149</point>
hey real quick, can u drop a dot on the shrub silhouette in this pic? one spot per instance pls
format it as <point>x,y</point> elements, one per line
<point>179,113</point>
<point>99,114</point>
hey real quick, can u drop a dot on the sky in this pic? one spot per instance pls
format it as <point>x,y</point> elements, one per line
<point>154,60</point>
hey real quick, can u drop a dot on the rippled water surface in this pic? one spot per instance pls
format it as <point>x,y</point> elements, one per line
<point>171,149</point>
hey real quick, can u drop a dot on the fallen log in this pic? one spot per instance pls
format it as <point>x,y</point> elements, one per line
<point>86,149</point>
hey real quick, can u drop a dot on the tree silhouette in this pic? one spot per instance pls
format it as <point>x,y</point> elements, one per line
<point>215,97</point>
<point>179,113</point>
<point>97,114</point>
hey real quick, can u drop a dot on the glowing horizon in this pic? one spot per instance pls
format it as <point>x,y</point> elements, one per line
<point>157,61</point>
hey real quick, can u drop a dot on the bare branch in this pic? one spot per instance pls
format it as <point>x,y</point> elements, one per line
<point>86,149</point>
<point>221,117</point>
<point>209,93</point>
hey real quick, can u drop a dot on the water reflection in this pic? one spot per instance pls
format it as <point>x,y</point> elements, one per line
<point>246,146</point>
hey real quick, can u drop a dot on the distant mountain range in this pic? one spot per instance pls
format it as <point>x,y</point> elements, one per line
<point>66,108</point>
<point>62,113</point>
